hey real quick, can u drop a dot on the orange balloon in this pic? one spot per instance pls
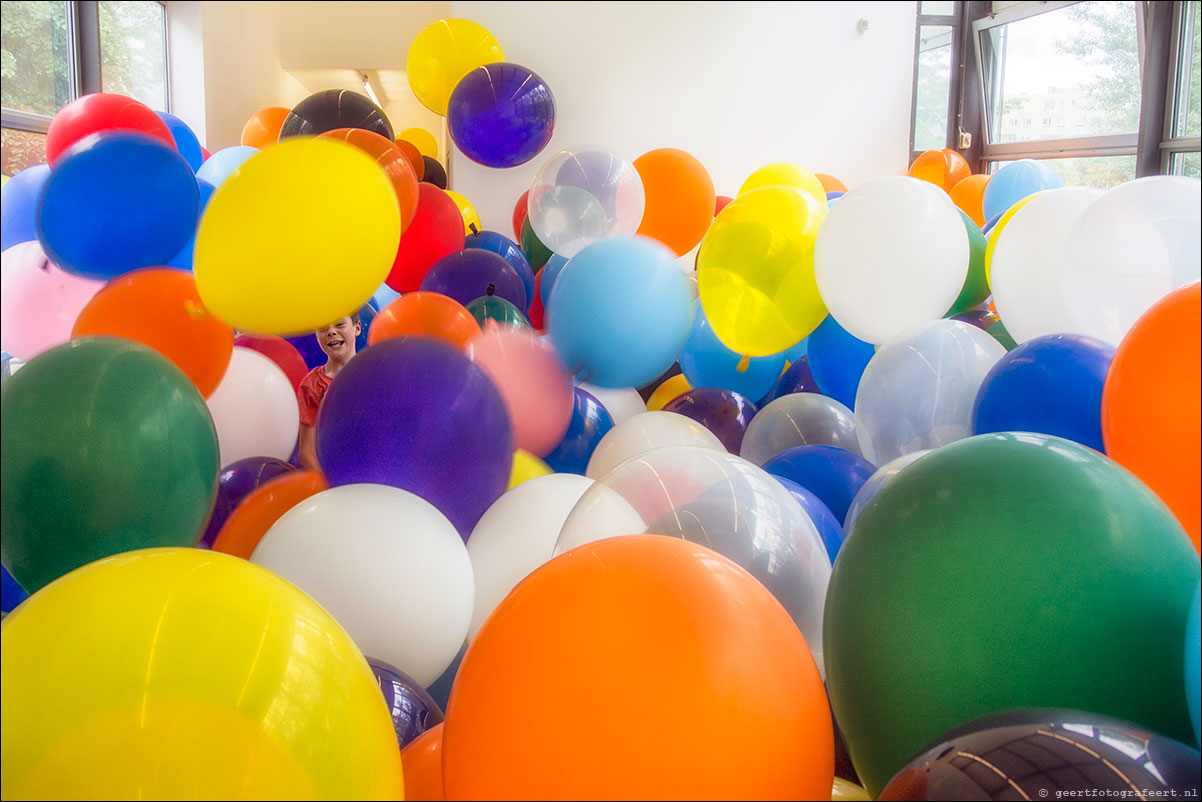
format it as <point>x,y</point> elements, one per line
<point>160,307</point>
<point>679,198</point>
<point>1152,404</point>
<point>430,314</point>
<point>414,156</point>
<point>944,168</point>
<point>251,519</point>
<point>392,161</point>
<point>968,194</point>
<point>830,183</point>
<point>263,127</point>
<point>421,763</point>
<point>639,667</point>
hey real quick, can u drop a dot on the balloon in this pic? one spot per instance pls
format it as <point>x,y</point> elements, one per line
<point>436,231</point>
<point>837,361</point>
<point>967,194</point>
<point>102,112</point>
<point>418,415</point>
<point>784,174</point>
<point>1192,628</point>
<point>536,389</point>
<point>720,203</point>
<point>520,210</point>
<point>332,109</point>
<point>254,409</point>
<point>1016,181</point>
<point>501,115</point>
<point>434,173</point>
<point>892,254</point>
<point>467,274</point>
<point>943,167</point>
<point>536,253</point>
<point>526,466</point>
<point>161,309</point>
<point>867,492</point>
<point>253,516</point>
<point>589,423</point>
<point>993,231</point>
<point>609,285</point>
<point>391,160</point>
<point>976,283</point>
<point>942,366</point>
<point>538,312</point>
<point>279,351</point>
<point>183,259</point>
<point>799,419</point>
<point>428,314</point>
<point>38,302</point>
<point>646,432</point>
<point>263,127</point>
<point>832,474</point>
<point>550,274</point>
<point>235,483</point>
<point>506,249</point>
<point>679,198</point>
<point>708,363</point>
<point>471,218</point>
<point>422,760</point>
<point>797,378</point>
<point>223,163</point>
<point>13,594</point>
<point>1080,755</point>
<point>489,309</point>
<point>116,202</point>
<point>830,183</point>
<point>1151,404</point>
<point>413,710</point>
<point>1130,248</point>
<point>184,139</point>
<point>622,403</point>
<point>642,623</point>
<point>270,695</point>
<point>107,447</point>
<point>298,236</point>
<point>19,211</point>
<point>755,271</point>
<point>724,412</point>
<point>944,561</point>
<point>829,529</point>
<point>383,296</point>
<point>421,139</point>
<point>579,197</point>
<point>1050,385</point>
<point>668,390</point>
<point>442,54</point>
<point>413,156</point>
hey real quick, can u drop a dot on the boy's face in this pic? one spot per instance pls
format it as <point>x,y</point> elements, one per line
<point>337,340</point>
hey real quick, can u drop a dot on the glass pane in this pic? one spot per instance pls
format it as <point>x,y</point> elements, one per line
<point>946,7</point>
<point>1101,172</point>
<point>133,57</point>
<point>20,149</point>
<point>35,56</point>
<point>1067,73</point>
<point>933,86</point>
<point>1187,119</point>
<point>1187,164</point>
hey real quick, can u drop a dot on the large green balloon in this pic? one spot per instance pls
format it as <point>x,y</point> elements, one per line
<point>976,285</point>
<point>999,572</point>
<point>106,447</point>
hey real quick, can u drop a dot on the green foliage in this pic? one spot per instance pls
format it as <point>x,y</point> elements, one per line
<point>930,111</point>
<point>132,48</point>
<point>1106,38</point>
<point>34,56</point>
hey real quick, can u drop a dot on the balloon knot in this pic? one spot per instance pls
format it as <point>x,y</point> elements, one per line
<point>744,364</point>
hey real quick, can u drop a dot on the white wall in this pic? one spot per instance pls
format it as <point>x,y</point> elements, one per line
<point>185,49</point>
<point>738,85</point>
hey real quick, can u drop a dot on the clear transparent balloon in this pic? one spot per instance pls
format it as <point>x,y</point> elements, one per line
<point>646,432</point>
<point>584,195</point>
<point>799,419</point>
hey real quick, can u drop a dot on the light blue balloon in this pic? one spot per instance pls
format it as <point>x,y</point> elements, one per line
<point>622,315</point>
<point>797,350</point>
<point>1193,654</point>
<point>1016,181</point>
<point>19,209</point>
<point>218,167</point>
<point>706,362</point>
<point>384,296</point>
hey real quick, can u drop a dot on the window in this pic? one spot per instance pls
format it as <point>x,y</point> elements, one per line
<point>938,110</point>
<point>1181,144</point>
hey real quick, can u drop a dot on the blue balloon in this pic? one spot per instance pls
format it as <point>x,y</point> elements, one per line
<point>832,474</point>
<point>221,164</point>
<point>831,197</point>
<point>706,362</point>
<point>1193,674</point>
<point>183,259</point>
<point>824,520</point>
<point>367,313</point>
<point>550,273</point>
<point>590,422</point>
<point>796,379</point>
<point>185,140</point>
<point>508,250</point>
<point>116,202</point>
<point>501,115</point>
<point>989,224</point>
<point>384,295</point>
<point>797,350</point>
<point>1016,181</point>
<point>19,208</point>
<point>622,314</point>
<point>1048,385</point>
<point>11,594</point>
<point>837,361</point>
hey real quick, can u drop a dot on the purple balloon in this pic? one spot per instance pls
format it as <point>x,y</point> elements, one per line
<point>413,710</point>
<point>798,378</point>
<point>981,318</point>
<point>417,414</point>
<point>724,412</point>
<point>501,115</point>
<point>237,481</point>
<point>466,275</point>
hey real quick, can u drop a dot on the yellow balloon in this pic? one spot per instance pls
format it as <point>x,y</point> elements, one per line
<point>846,791</point>
<point>998,227</point>
<point>755,271</point>
<point>299,235</point>
<point>421,139</point>
<point>784,174</point>
<point>470,217</point>
<point>442,54</point>
<point>526,466</point>
<point>188,674</point>
<point>670,389</point>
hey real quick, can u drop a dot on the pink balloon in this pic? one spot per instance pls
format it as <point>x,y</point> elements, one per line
<point>39,302</point>
<point>533,383</point>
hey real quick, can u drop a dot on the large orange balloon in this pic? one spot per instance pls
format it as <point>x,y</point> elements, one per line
<point>251,519</point>
<point>263,127</point>
<point>1152,403</point>
<point>968,194</point>
<point>391,160</point>
<point>429,314</point>
<point>679,198</point>
<point>638,667</point>
<point>161,308</point>
<point>944,168</point>
<point>421,762</point>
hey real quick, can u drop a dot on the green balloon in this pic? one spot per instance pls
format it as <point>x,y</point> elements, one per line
<point>536,253</point>
<point>1000,572</point>
<point>106,447</point>
<point>976,286</point>
<point>998,332</point>
<point>497,309</point>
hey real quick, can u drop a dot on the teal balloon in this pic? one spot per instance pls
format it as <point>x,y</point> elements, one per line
<point>107,447</point>
<point>976,283</point>
<point>1005,571</point>
<point>1193,672</point>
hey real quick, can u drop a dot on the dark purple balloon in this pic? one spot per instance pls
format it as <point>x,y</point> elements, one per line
<point>796,379</point>
<point>501,115</point>
<point>417,414</point>
<point>237,481</point>
<point>467,275</point>
<point>413,710</point>
<point>590,422</point>
<point>724,412</point>
<point>981,318</point>
<point>508,250</point>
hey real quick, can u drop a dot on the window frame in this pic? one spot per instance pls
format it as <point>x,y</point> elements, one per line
<point>1177,95</point>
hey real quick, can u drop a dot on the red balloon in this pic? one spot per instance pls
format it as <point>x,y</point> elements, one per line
<point>720,203</point>
<point>436,231</point>
<point>205,152</point>
<point>279,351</point>
<point>519,215</point>
<point>537,312</point>
<point>102,112</point>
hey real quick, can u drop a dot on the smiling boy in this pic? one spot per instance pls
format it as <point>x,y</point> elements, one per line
<point>337,341</point>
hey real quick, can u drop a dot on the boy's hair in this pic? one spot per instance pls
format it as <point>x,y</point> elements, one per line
<point>354,316</point>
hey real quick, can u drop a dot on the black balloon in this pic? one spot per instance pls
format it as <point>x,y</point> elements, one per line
<point>1050,754</point>
<point>413,710</point>
<point>434,173</point>
<point>333,109</point>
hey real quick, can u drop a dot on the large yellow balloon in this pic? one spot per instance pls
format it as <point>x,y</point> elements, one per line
<point>998,228</point>
<point>299,235</point>
<point>188,674</point>
<point>755,271</point>
<point>470,216</point>
<point>421,139</point>
<point>442,54</point>
<point>784,174</point>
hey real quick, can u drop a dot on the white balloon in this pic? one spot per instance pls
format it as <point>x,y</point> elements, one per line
<point>1024,271</point>
<point>876,483</point>
<point>583,195</point>
<point>622,403</point>
<point>1130,248</point>
<point>799,419</point>
<point>919,389</point>
<point>646,432</point>
<point>386,564</point>
<point>254,409</point>
<point>517,534</point>
<point>891,255</point>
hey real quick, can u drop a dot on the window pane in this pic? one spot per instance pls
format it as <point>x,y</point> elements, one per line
<point>35,56</point>
<point>933,85</point>
<point>20,149</point>
<point>946,7</point>
<point>1187,164</point>
<point>1081,61</point>
<point>1101,172</point>
<point>1186,122</point>
<point>133,58</point>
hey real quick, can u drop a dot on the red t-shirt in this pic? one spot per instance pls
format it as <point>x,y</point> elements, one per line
<point>312,389</point>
